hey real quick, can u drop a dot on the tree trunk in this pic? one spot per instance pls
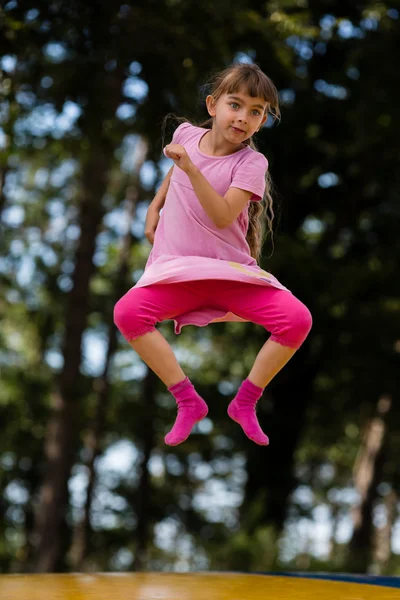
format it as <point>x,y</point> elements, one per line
<point>143,497</point>
<point>80,544</point>
<point>333,551</point>
<point>269,487</point>
<point>62,429</point>
<point>367,476</point>
<point>383,539</point>
<point>3,173</point>
<point>103,97</point>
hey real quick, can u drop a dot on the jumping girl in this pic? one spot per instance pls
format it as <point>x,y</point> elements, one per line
<point>203,264</point>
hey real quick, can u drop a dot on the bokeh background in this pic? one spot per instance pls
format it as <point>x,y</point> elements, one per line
<point>86,480</point>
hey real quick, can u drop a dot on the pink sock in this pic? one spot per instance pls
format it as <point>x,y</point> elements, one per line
<point>242,410</point>
<point>191,410</point>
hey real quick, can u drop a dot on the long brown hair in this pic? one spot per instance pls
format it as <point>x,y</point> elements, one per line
<point>251,79</point>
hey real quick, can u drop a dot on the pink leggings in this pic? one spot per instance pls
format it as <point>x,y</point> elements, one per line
<point>282,314</point>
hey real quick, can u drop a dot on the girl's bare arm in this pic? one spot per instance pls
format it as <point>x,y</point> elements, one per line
<point>158,201</point>
<point>153,212</point>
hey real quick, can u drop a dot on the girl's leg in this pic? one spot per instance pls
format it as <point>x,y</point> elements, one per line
<point>136,315</point>
<point>269,361</point>
<point>155,351</point>
<point>289,322</point>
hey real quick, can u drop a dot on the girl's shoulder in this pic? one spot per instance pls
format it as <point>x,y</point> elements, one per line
<point>252,157</point>
<point>185,132</point>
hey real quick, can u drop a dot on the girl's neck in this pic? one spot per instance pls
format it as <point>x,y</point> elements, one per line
<point>214,144</point>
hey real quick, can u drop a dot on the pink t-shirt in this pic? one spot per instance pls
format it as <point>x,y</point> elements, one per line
<point>185,229</point>
<point>188,245</point>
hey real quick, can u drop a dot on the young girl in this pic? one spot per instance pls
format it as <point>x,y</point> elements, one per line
<point>203,267</point>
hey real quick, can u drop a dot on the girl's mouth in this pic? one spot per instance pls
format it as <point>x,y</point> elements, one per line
<point>236,129</point>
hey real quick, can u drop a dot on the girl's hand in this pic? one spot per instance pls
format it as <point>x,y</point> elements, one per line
<point>152,219</point>
<point>179,156</point>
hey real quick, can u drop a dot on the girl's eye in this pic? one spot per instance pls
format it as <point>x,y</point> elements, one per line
<point>235,105</point>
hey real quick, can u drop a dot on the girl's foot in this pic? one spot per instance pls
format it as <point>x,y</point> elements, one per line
<point>242,410</point>
<point>191,410</point>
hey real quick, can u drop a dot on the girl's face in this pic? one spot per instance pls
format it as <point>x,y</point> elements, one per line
<point>238,116</point>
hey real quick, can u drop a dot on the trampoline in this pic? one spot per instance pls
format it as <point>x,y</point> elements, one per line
<point>195,586</point>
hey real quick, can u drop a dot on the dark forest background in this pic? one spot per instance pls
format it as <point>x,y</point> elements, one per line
<point>86,482</point>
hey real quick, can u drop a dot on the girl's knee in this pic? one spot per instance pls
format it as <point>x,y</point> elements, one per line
<point>122,313</point>
<point>301,320</point>
<point>119,310</point>
<point>294,325</point>
<point>127,317</point>
<point>304,319</point>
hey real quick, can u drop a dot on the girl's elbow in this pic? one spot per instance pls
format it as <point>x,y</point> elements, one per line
<point>220,225</point>
<point>223,223</point>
